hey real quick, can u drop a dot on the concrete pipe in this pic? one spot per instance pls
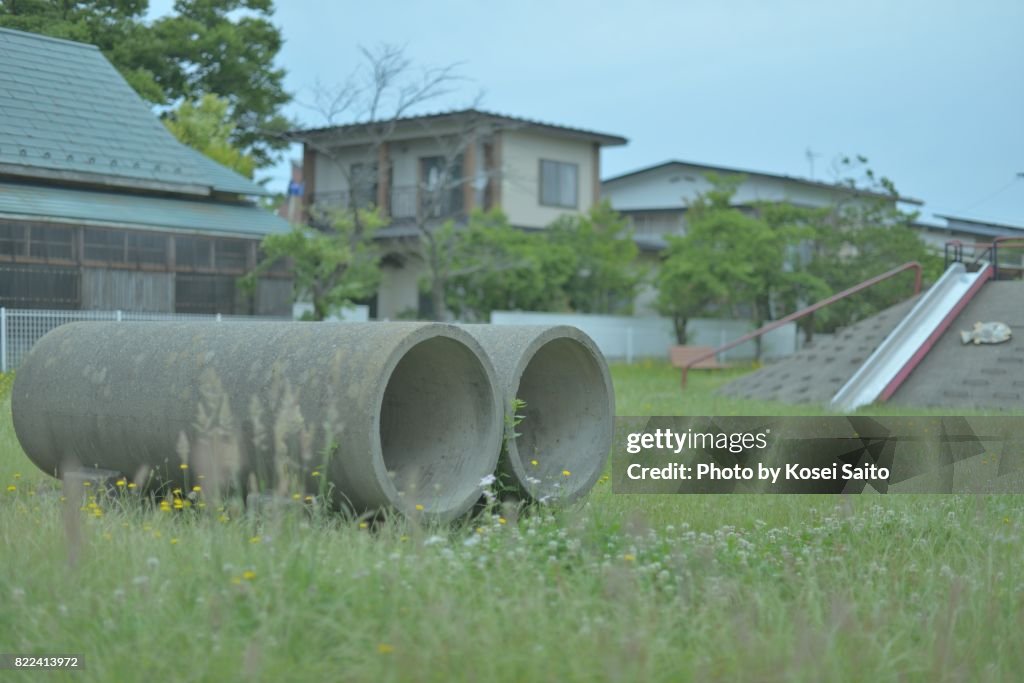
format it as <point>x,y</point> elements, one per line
<point>568,419</point>
<point>400,415</point>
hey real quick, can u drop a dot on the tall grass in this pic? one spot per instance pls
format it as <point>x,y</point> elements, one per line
<point>747,588</point>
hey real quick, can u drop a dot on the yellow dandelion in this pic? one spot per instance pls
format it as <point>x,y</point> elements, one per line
<point>87,483</point>
<point>309,499</point>
<point>316,473</point>
<point>165,506</point>
<point>174,541</point>
<point>97,512</point>
<point>178,504</point>
<point>254,539</point>
<point>296,496</point>
<point>183,466</point>
<point>176,492</point>
<point>121,483</point>
<point>479,529</point>
<point>223,519</point>
<point>17,475</point>
<point>363,525</point>
<point>385,648</point>
<point>12,488</point>
<point>502,520</point>
<point>197,488</point>
<point>419,507</point>
<point>248,575</point>
<point>534,463</point>
<point>629,557</point>
<point>566,473</point>
<point>131,485</point>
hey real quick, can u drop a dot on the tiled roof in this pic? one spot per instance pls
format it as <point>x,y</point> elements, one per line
<point>515,121</point>
<point>67,114</point>
<point>20,201</point>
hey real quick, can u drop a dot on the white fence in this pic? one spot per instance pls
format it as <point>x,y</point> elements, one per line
<point>21,328</point>
<point>627,337</point>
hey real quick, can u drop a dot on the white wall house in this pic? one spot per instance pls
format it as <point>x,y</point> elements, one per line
<point>443,166</point>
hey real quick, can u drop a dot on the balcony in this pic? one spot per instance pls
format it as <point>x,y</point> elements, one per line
<point>406,202</point>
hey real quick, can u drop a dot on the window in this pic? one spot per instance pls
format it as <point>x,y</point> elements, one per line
<point>51,243</point>
<point>191,253</point>
<point>441,187</point>
<point>558,184</point>
<point>230,255</point>
<point>364,184</point>
<point>144,248</point>
<point>208,294</point>
<point>12,240</point>
<point>105,246</point>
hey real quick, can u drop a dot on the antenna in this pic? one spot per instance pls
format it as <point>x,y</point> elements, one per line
<point>811,156</point>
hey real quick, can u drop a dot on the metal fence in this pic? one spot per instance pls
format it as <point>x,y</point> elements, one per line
<point>21,328</point>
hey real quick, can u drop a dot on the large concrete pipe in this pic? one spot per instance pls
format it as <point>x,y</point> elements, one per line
<point>568,418</point>
<point>400,415</point>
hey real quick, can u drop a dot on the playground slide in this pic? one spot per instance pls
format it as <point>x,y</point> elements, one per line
<point>910,340</point>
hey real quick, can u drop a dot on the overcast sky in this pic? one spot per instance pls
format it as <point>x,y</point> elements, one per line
<point>932,92</point>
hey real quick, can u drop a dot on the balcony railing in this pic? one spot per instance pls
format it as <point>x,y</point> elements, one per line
<point>404,202</point>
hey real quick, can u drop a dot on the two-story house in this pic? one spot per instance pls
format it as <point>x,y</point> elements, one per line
<point>443,166</point>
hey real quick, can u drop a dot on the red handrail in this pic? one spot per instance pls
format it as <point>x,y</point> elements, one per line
<point>910,265</point>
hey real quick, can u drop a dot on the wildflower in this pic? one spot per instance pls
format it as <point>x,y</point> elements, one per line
<point>121,483</point>
<point>566,473</point>
<point>254,539</point>
<point>629,557</point>
<point>87,484</point>
<point>488,480</point>
<point>248,575</point>
<point>362,525</point>
<point>502,520</point>
<point>310,499</point>
<point>131,484</point>
<point>534,463</point>
<point>385,649</point>
<point>17,475</point>
<point>178,504</point>
<point>316,473</point>
<point>223,519</point>
<point>403,539</point>
<point>296,496</point>
<point>197,488</point>
<point>419,507</point>
<point>183,466</point>
<point>12,488</point>
<point>174,541</point>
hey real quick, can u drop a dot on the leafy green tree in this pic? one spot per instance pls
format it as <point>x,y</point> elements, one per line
<point>207,126</point>
<point>228,48</point>
<point>494,266</point>
<point>606,275</point>
<point>733,262</point>
<point>332,265</point>
<point>221,47</point>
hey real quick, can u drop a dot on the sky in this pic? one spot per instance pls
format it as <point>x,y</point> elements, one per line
<point>932,92</point>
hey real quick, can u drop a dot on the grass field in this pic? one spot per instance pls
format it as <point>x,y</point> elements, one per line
<point>732,588</point>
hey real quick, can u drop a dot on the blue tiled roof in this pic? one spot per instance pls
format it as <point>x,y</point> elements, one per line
<point>66,113</point>
<point>19,201</point>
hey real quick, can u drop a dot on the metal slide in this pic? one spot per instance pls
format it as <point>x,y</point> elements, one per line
<point>906,344</point>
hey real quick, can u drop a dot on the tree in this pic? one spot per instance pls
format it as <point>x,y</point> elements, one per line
<point>207,127</point>
<point>375,98</point>
<point>864,234</point>
<point>605,275</point>
<point>732,261</point>
<point>494,266</point>
<point>221,47</point>
<point>333,265</point>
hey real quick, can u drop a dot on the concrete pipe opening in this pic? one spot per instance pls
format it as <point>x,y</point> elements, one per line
<point>566,431</point>
<point>439,422</point>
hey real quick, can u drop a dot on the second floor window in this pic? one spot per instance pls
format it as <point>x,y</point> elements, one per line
<point>558,184</point>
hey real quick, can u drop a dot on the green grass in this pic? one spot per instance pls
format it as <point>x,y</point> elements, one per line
<point>732,588</point>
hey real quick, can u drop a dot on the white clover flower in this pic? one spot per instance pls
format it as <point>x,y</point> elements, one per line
<point>488,480</point>
<point>434,540</point>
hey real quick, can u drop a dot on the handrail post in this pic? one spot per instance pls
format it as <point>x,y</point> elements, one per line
<point>910,265</point>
